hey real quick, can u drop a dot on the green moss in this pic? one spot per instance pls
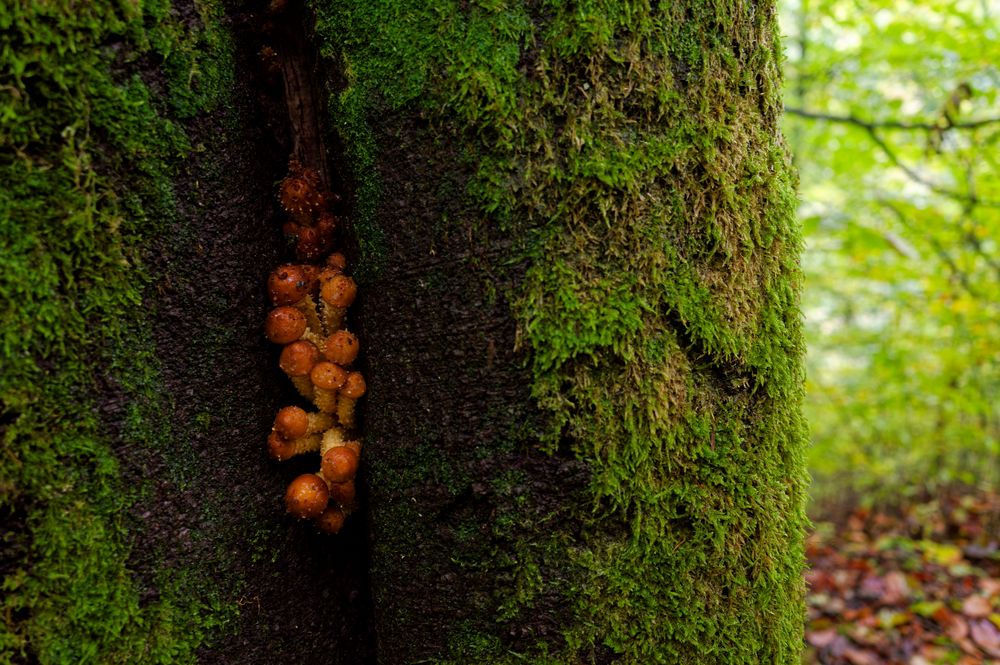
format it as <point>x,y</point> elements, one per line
<point>636,152</point>
<point>86,153</point>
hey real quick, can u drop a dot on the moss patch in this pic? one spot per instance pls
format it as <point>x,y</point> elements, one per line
<point>634,153</point>
<point>86,151</point>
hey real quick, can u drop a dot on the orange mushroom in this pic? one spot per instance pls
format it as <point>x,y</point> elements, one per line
<point>297,360</point>
<point>307,496</point>
<point>354,387</point>
<point>326,378</point>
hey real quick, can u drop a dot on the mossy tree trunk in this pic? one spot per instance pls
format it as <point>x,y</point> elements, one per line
<point>572,226</point>
<point>580,267</point>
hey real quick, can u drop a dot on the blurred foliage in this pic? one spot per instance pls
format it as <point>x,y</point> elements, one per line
<point>893,120</point>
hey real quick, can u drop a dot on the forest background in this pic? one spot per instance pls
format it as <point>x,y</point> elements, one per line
<point>892,117</point>
<point>891,113</point>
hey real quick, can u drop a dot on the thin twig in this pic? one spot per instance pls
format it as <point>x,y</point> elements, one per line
<point>890,124</point>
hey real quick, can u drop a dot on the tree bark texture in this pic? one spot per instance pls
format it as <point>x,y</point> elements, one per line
<point>571,224</point>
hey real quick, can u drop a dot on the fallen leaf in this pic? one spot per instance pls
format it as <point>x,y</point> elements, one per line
<point>956,628</point>
<point>986,636</point>
<point>897,589</point>
<point>821,638</point>
<point>976,607</point>
<point>861,657</point>
<point>927,608</point>
<point>942,554</point>
<point>989,586</point>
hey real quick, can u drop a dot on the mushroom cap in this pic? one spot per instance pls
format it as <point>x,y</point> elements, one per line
<point>278,448</point>
<point>342,493</point>
<point>284,325</point>
<point>354,386</point>
<point>339,464</point>
<point>337,261</point>
<point>298,358</point>
<point>291,422</point>
<point>291,230</point>
<point>296,195</point>
<point>312,276</point>
<point>326,223</point>
<point>288,284</point>
<point>332,520</point>
<point>327,375</point>
<point>339,291</point>
<point>307,496</point>
<point>300,170</point>
<point>341,347</point>
<point>309,234</point>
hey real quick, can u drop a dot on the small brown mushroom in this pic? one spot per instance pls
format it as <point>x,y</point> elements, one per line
<point>341,347</point>
<point>292,422</point>
<point>297,360</point>
<point>336,294</point>
<point>307,496</point>
<point>339,464</point>
<point>284,325</point>
<point>287,285</point>
<point>281,449</point>
<point>298,198</point>
<point>327,378</point>
<point>342,493</point>
<point>354,387</point>
<point>337,261</point>
<point>331,520</point>
<point>291,285</point>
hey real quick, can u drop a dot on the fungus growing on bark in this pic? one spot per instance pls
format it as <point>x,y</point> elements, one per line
<point>339,464</point>
<point>288,284</point>
<point>280,448</point>
<point>284,325</point>
<point>326,378</point>
<point>293,422</point>
<point>341,347</point>
<point>299,197</point>
<point>354,387</point>
<point>291,285</point>
<point>332,438</point>
<point>297,360</point>
<point>337,293</point>
<point>332,520</point>
<point>308,337</point>
<point>342,493</point>
<point>336,262</point>
<point>307,496</point>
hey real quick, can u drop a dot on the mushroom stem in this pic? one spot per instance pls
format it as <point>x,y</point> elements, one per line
<point>281,449</point>
<point>348,397</point>
<point>293,422</point>
<point>332,438</point>
<point>297,360</point>
<point>336,293</point>
<point>327,378</point>
<point>314,326</point>
<point>319,422</point>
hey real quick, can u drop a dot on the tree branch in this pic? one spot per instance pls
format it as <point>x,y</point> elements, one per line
<point>889,124</point>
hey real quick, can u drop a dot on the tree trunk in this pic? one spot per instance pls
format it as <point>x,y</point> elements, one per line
<point>572,229</point>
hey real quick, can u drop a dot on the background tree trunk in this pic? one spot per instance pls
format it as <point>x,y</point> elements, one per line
<point>572,227</point>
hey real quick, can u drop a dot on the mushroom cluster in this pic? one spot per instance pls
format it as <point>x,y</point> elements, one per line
<point>310,307</point>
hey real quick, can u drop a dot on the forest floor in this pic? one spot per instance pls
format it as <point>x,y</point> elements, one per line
<point>919,585</point>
